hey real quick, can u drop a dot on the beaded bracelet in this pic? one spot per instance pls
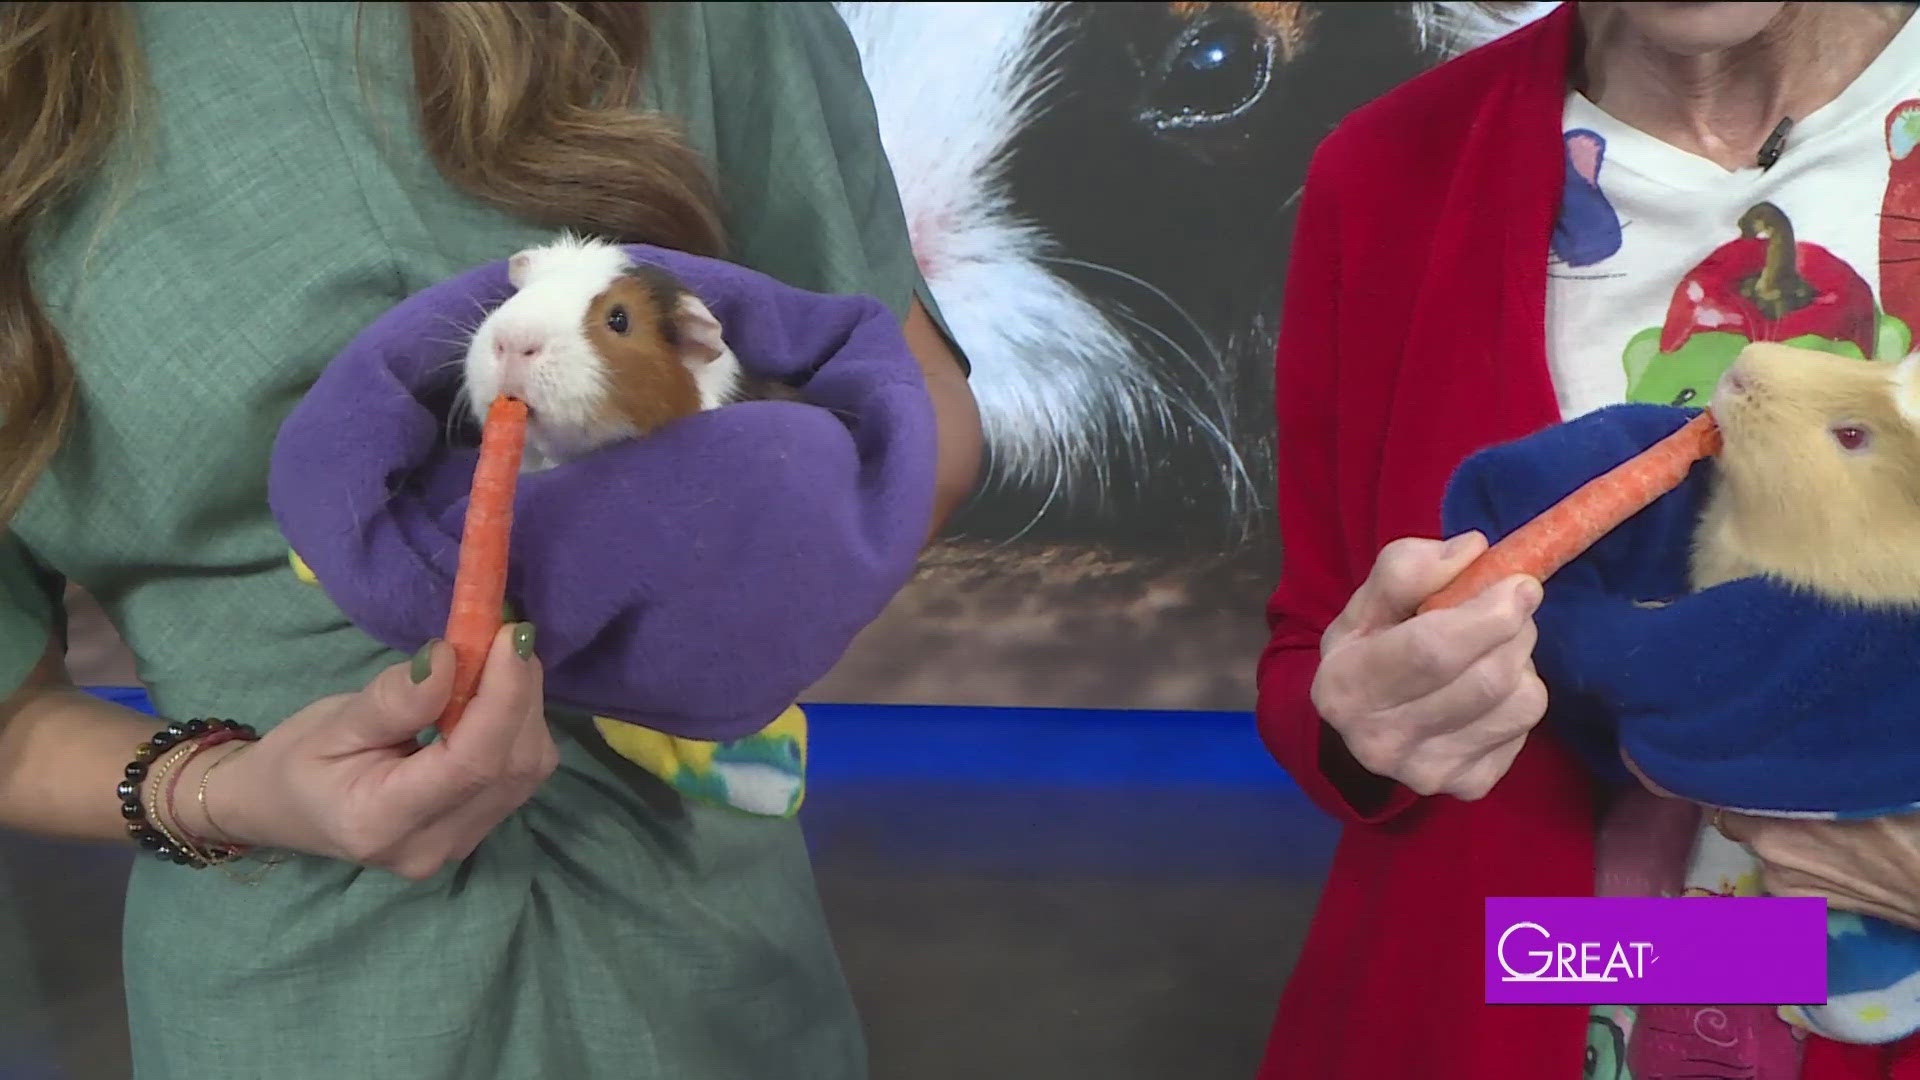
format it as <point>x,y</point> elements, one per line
<point>186,739</point>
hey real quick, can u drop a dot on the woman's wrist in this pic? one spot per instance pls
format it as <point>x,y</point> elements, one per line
<point>201,798</point>
<point>164,795</point>
<point>144,806</point>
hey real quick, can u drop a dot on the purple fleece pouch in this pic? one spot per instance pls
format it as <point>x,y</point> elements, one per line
<point>694,581</point>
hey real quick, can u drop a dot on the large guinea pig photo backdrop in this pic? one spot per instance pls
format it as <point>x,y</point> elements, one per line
<point>1101,196</point>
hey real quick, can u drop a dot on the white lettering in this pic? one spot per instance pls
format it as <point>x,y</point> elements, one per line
<point>1575,961</point>
<point>1617,959</point>
<point>1565,950</point>
<point>1501,950</point>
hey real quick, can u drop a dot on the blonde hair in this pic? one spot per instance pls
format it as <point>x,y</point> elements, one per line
<point>526,106</point>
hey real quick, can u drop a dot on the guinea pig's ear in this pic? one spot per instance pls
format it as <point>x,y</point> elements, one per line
<point>700,340</point>
<point>1906,387</point>
<point>517,268</point>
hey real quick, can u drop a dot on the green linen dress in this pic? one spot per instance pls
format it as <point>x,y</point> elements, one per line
<point>281,201</point>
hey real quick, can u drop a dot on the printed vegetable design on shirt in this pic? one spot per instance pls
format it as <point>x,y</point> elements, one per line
<point>1588,229</point>
<point>1763,286</point>
<point>1900,215</point>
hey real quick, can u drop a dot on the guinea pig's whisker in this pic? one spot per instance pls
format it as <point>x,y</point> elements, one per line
<point>480,307</point>
<point>462,402</point>
<point>1211,421</point>
<point>1156,291</point>
<point>1054,492</point>
<point>1209,417</point>
<point>465,329</point>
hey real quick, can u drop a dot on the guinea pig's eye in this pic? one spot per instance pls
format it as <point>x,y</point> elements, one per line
<point>617,319</point>
<point>1685,396</point>
<point>1211,73</point>
<point>1851,436</point>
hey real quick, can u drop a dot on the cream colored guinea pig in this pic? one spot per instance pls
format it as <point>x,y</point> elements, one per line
<point>1818,484</point>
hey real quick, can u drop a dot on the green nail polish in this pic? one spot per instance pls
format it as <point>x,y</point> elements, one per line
<point>523,640</point>
<point>423,662</point>
<point>507,614</point>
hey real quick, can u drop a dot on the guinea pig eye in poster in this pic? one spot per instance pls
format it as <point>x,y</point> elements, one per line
<point>1100,196</point>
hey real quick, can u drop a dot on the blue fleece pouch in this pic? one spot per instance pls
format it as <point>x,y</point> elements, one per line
<point>1751,695</point>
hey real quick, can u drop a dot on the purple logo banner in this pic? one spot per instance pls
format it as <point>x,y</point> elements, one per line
<point>1621,950</point>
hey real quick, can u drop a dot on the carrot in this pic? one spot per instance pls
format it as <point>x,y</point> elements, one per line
<point>1559,534</point>
<point>480,582</point>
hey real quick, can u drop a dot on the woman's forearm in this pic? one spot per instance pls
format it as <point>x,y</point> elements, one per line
<point>62,750</point>
<point>956,414</point>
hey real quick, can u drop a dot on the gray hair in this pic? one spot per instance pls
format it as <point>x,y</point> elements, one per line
<point>1450,27</point>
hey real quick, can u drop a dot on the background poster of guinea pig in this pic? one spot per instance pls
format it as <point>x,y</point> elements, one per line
<point>1101,197</point>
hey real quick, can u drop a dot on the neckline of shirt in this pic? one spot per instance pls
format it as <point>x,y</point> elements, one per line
<point>1886,81</point>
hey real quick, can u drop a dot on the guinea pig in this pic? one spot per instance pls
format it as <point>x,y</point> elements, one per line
<point>1817,484</point>
<point>601,347</point>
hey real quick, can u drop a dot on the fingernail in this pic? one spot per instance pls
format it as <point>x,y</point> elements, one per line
<point>1456,545</point>
<point>1531,594</point>
<point>423,663</point>
<point>523,641</point>
<point>507,614</point>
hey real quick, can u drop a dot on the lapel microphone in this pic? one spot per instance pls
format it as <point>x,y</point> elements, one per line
<point>1776,142</point>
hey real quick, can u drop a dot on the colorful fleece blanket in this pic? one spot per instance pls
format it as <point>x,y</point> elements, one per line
<point>1749,695</point>
<point>687,586</point>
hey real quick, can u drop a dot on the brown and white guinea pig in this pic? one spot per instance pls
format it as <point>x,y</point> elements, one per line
<point>601,348</point>
<point>1818,482</point>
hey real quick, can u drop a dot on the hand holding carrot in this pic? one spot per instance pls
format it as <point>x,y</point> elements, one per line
<point>1428,674</point>
<point>1443,701</point>
<point>344,777</point>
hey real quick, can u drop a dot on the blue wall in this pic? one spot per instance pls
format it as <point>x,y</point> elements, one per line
<point>1062,748</point>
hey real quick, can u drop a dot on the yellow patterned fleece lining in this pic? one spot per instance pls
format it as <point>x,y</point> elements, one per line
<point>763,773</point>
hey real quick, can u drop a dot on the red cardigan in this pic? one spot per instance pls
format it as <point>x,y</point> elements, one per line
<point>1413,334</point>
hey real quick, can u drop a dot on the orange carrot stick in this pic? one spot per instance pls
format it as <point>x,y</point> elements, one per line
<point>480,582</point>
<point>1559,534</point>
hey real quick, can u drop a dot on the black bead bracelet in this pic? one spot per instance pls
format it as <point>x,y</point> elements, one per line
<point>149,834</point>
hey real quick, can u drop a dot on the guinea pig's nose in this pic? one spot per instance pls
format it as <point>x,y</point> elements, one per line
<point>516,349</point>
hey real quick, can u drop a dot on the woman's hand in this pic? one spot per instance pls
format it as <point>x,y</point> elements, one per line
<point>1869,866</point>
<point>1440,702</point>
<point>345,778</point>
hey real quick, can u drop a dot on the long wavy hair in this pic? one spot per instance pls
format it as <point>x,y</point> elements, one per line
<point>527,106</point>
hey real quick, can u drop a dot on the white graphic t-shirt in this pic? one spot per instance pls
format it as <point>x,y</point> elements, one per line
<point>1663,265</point>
